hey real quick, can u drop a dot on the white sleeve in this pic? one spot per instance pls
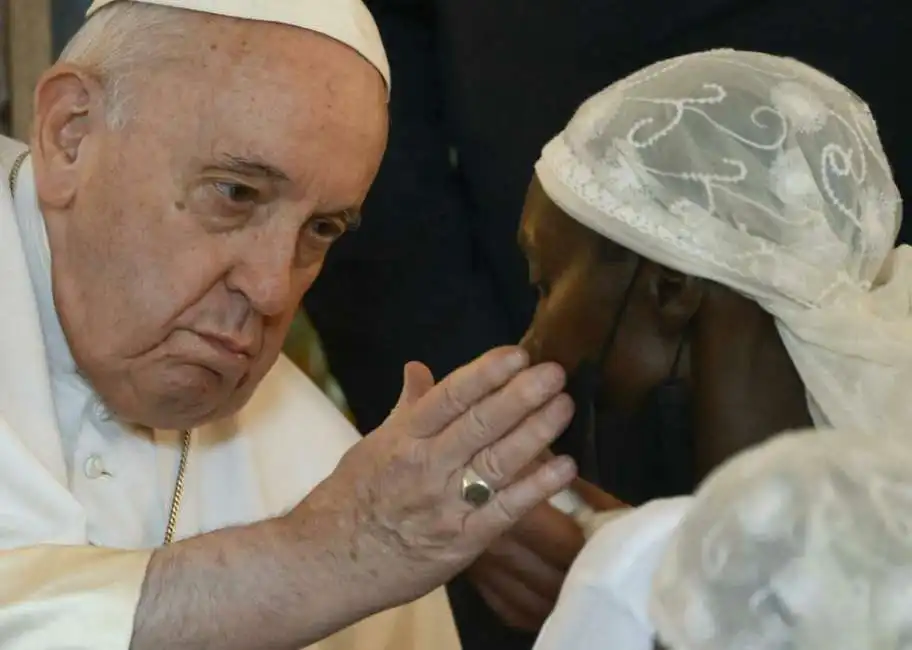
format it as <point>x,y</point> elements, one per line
<point>69,598</point>
<point>56,591</point>
<point>604,600</point>
<point>584,619</point>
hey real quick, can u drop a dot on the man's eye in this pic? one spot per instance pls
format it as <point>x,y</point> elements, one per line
<point>237,192</point>
<point>326,228</point>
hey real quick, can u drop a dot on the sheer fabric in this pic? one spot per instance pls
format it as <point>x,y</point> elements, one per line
<point>764,175</point>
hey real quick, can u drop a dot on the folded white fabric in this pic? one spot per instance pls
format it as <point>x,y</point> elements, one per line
<point>804,543</point>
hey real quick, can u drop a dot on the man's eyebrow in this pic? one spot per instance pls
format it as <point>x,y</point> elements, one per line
<point>251,167</point>
<point>352,218</point>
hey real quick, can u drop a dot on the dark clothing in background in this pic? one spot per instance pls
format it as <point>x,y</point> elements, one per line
<point>67,17</point>
<point>435,274</point>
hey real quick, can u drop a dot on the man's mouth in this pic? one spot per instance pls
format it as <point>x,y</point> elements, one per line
<point>237,346</point>
<point>224,355</point>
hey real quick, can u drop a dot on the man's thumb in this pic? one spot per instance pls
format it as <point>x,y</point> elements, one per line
<point>417,380</point>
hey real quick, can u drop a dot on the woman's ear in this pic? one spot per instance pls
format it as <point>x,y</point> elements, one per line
<point>675,296</point>
<point>69,104</point>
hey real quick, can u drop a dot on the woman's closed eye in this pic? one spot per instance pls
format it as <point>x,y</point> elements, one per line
<point>536,279</point>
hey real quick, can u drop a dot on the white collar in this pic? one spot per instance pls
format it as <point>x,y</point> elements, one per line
<point>38,257</point>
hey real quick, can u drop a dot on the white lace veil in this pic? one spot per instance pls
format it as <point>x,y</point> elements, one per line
<point>803,543</point>
<point>764,175</point>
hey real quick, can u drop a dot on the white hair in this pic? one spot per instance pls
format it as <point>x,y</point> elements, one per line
<point>124,39</point>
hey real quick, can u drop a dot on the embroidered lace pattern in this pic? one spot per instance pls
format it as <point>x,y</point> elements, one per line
<point>767,176</point>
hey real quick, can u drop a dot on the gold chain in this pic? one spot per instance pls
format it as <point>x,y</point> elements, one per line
<point>14,171</point>
<point>178,495</point>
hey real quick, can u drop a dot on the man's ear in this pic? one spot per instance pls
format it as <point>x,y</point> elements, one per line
<point>69,104</point>
<point>676,297</point>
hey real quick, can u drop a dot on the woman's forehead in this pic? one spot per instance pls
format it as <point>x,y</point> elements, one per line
<point>543,220</point>
<point>548,230</point>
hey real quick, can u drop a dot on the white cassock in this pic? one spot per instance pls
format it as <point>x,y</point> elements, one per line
<point>83,501</point>
<point>604,602</point>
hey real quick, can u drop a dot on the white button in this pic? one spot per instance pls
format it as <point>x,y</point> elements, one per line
<point>101,412</point>
<point>94,467</point>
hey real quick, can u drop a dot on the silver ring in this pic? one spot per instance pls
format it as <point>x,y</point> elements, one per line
<point>475,490</point>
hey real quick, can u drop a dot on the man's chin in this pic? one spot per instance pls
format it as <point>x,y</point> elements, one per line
<point>184,415</point>
<point>189,407</point>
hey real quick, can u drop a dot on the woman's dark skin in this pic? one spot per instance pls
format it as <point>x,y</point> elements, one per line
<point>745,386</point>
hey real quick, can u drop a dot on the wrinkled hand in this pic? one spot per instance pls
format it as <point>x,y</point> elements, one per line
<point>401,485</point>
<point>521,574</point>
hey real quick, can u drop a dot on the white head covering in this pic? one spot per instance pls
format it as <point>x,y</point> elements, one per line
<point>347,21</point>
<point>804,543</point>
<point>764,175</point>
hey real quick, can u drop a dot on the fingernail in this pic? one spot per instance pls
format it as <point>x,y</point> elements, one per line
<point>550,377</point>
<point>561,408</point>
<point>564,468</point>
<point>517,360</point>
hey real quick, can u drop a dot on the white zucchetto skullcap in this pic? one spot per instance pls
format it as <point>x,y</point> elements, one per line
<point>803,543</point>
<point>346,21</point>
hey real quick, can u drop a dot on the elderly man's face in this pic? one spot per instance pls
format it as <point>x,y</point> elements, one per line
<point>183,242</point>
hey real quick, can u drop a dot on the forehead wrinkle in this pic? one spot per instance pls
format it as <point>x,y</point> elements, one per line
<point>293,61</point>
<point>228,45</point>
<point>277,94</point>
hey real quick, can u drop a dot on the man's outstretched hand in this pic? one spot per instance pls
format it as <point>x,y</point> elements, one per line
<point>403,482</point>
<point>387,526</point>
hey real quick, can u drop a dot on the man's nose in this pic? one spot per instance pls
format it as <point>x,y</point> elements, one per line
<point>265,275</point>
